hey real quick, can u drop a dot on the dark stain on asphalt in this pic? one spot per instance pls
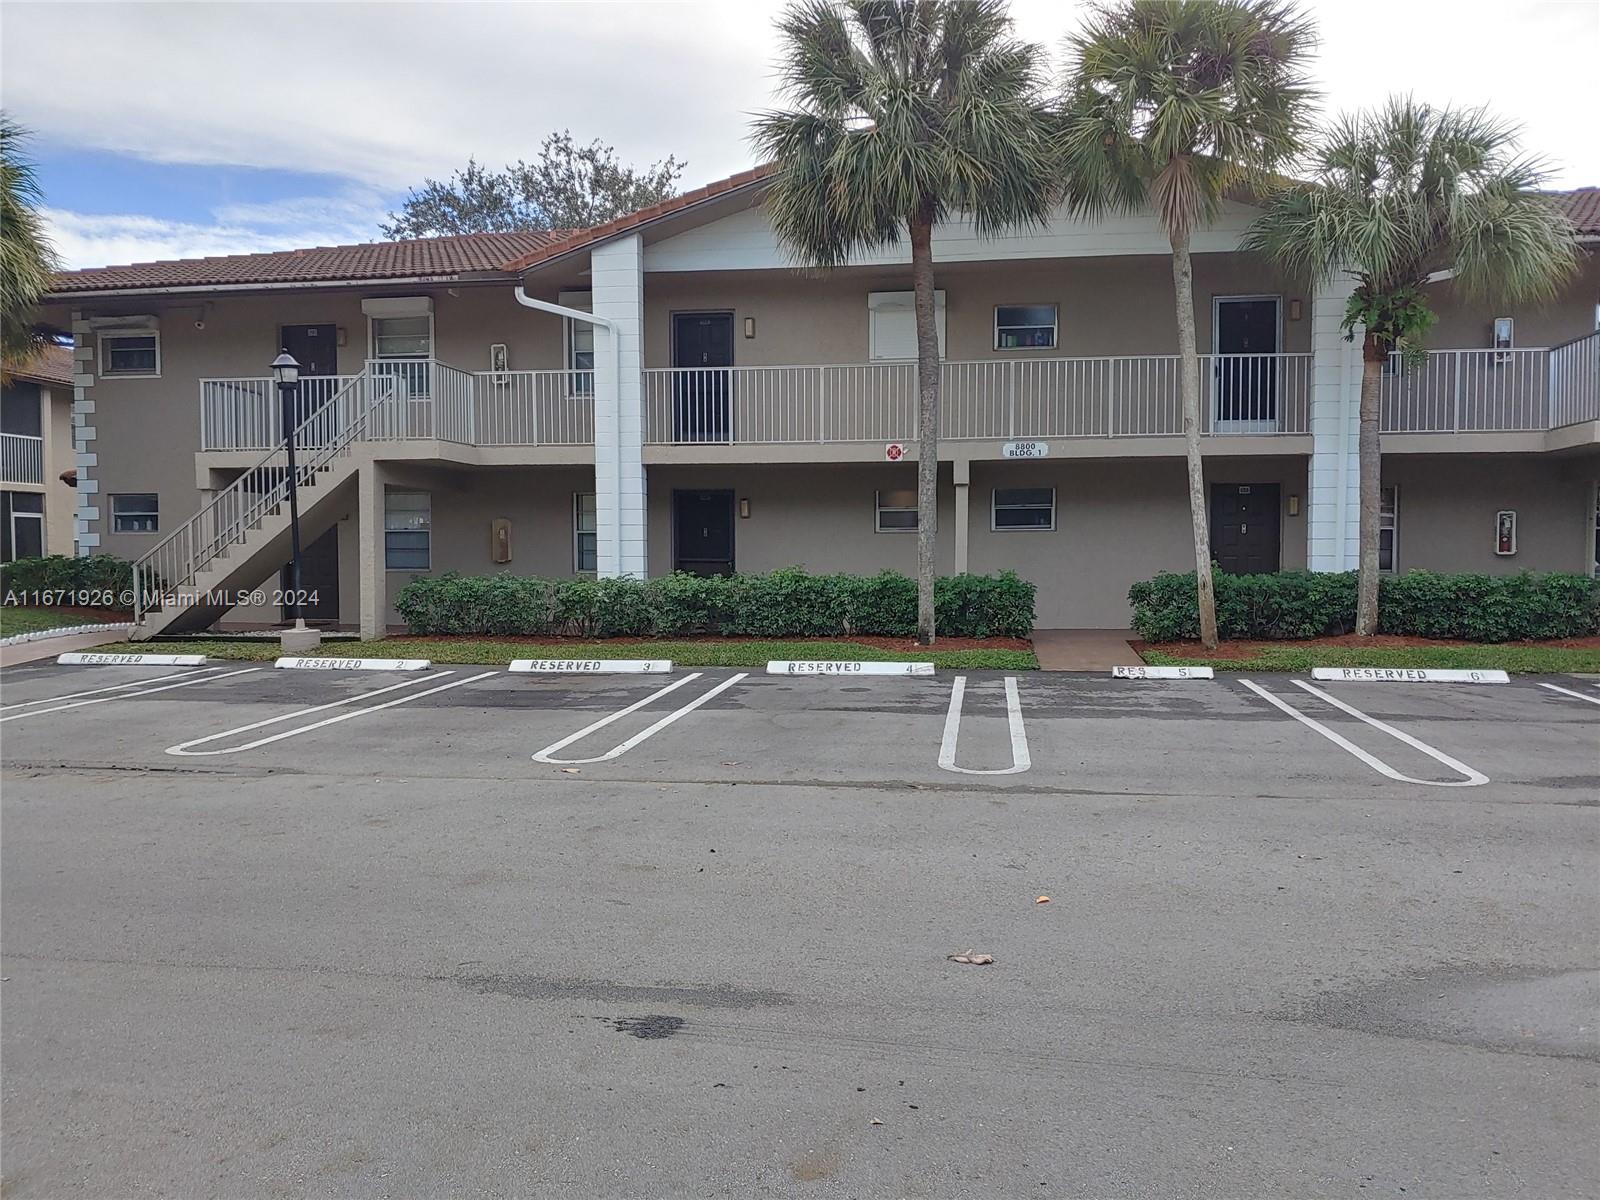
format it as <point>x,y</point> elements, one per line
<point>656,1025</point>
<point>540,987</point>
<point>1509,1010</point>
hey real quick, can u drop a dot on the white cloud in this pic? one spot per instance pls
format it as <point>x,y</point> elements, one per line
<point>92,239</point>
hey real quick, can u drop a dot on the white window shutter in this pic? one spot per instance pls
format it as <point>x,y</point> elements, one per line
<point>892,325</point>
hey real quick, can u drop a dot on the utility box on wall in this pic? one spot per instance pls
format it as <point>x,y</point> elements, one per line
<point>1505,532</point>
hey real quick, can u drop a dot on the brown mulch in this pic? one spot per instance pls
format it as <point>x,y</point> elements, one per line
<point>881,643</point>
<point>1378,641</point>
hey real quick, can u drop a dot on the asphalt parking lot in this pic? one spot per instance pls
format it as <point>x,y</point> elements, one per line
<point>464,932</point>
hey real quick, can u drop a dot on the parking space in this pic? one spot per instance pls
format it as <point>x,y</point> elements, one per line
<point>1278,735</point>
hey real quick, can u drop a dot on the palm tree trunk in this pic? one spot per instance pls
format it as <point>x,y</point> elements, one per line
<point>1189,389</point>
<point>927,424</point>
<point>1373,354</point>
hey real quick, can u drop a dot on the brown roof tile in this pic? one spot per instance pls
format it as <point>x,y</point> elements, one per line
<point>588,237</point>
<point>1582,206</point>
<point>463,253</point>
<point>53,365</point>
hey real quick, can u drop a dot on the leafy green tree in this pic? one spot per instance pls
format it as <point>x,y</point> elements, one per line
<point>1396,196</point>
<point>906,113</point>
<point>567,187</point>
<point>1169,105</point>
<point>27,259</point>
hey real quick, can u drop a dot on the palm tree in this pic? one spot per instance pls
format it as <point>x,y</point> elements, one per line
<point>1396,197</point>
<point>905,112</point>
<point>1168,106</point>
<point>27,259</point>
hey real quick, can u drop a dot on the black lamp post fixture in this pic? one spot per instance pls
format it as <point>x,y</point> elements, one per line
<point>286,374</point>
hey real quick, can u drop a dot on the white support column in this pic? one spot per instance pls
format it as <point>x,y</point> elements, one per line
<point>85,537</point>
<point>374,605</point>
<point>963,478</point>
<point>1333,503</point>
<point>617,294</point>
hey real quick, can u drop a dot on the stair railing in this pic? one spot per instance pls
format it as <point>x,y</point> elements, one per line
<point>164,571</point>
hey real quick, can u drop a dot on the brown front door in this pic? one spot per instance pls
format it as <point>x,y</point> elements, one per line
<point>319,578</point>
<point>1245,527</point>
<point>316,349</point>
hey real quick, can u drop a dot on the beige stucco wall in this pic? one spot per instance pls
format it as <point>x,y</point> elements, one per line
<point>1106,306</point>
<point>1467,324</point>
<point>1448,506</point>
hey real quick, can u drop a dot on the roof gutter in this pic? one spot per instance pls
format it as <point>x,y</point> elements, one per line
<point>293,285</point>
<point>614,340</point>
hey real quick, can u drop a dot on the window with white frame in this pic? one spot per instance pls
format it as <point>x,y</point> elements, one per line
<point>136,512</point>
<point>402,337</point>
<point>585,524</point>
<point>892,325</point>
<point>1024,326</point>
<point>897,511</point>
<point>580,356</point>
<point>407,531</point>
<point>1024,508</point>
<point>130,353</point>
<point>1388,528</point>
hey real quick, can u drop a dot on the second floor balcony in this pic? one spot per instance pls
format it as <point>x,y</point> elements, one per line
<point>996,400</point>
<point>21,458</point>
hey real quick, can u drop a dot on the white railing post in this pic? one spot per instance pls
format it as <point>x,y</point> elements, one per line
<point>822,404</point>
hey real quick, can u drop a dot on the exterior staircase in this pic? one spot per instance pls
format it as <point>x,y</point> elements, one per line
<point>242,536</point>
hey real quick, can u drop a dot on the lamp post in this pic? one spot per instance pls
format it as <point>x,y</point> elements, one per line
<point>286,374</point>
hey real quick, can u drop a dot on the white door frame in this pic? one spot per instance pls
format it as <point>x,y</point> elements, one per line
<point>1217,424</point>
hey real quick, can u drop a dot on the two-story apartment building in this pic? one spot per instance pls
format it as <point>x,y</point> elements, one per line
<point>668,391</point>
<point>37,504</point>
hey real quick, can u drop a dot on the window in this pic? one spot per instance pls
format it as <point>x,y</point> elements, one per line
<point>1024,508</point>
<point>21,525</point>
<point>136,512</point>
<point>585,554</point>
<point>892,325</point>
<point>1025,327</point>
<point>407,531</point>
<point>402,337</point>
<point>1388,528</point>
<point>897,511</point>
<point>130,354</point>
<point>580,356</point>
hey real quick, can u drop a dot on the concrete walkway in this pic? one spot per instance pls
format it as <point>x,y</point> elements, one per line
<point>47,648</point>
<point>1084,649</point>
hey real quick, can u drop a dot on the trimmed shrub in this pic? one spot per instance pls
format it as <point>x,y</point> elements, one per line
<point>1305,604</point>
<point>95,580</point>
<point>786,603</point>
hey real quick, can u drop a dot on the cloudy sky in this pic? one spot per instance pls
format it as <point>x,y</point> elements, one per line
<point>177,129</point>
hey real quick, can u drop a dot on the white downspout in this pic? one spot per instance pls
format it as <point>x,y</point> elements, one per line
<point>615,341</point>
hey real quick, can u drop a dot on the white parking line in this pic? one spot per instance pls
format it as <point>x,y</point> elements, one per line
<point>182,748</point>
<point>1569,692</point>
<point>622,748</point>
<point>116,687</point>
<point>1472,777</point>
<point>1020,759</point>
<point>208,677</point>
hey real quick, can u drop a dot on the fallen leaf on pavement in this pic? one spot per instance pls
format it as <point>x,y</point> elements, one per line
<point>569,770</point>
<point>875,1121</point>
<point>972,957</point>
<point>1042,900</point>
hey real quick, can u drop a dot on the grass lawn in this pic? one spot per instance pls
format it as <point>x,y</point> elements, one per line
<point>1297,656</point>
<point>15,619</point>
<point>708,653</point>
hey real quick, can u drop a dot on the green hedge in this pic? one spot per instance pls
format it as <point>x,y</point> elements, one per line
<point>787,603</point>
<point>1304,604</point>
<point>96,580</point>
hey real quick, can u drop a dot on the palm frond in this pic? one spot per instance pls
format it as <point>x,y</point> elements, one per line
<point>27,259</point>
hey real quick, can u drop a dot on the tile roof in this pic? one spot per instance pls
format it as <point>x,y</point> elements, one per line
<point>579,238</point>
<point>463,253</point>
<point>1582,206</point>
<point>53,365</point>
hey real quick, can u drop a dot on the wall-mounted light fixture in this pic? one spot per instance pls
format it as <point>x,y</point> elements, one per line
<point>1294,310</point>
<point>1294,506</point>
<point>749,327</point>
<point>744,507</point>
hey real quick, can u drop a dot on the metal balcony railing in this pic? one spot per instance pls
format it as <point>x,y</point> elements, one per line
<point>21,458</point>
